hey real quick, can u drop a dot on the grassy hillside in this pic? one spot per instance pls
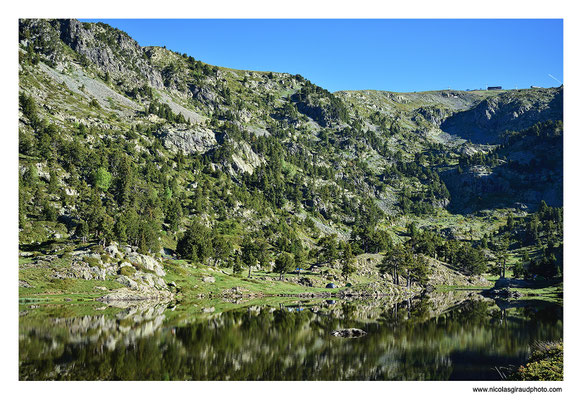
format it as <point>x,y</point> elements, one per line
<point>171,158</point>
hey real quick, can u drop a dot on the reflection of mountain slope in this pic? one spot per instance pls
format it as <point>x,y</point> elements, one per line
<point>413,341</point>
<point>63,338</point>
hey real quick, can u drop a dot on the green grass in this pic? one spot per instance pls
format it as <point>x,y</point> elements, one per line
<point>45,286</point>
<point>552,292</point>
<point>189,280</point>
<point>25,260</point>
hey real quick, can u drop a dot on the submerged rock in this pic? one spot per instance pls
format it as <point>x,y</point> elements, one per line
<point>349,333</point>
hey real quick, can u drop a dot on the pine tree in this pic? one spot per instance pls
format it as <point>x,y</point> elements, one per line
<point>102,179</point>
<point>393,262</point>
<point>348,261</point>
<point>249,253</point>
<point>283,264</point>
<point>82,231</point>
<point>237,263</point>
<point>299,259</point>
<point>222,248</point>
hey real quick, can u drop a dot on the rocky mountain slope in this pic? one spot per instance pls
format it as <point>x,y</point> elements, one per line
<point>137,145</point>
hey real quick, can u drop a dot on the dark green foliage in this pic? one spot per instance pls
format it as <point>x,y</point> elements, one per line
<point>144,91</point>
<point>30,176</point>
<point>235,263</point>
<point>49,212</point>
<point>463,256</point>
<point>392,263</point>
<point>543,230</point>
<point>164,111</point>
<point>320,104</point>
<point>284,264</point>
<point>253,251</point>
<point>222,248</point>
<point>348,261</point>
<point>469,260</point>
<point>28,106</point>
<point>329,249</point>
<point>82,231</point>
<point>546,363</point>
<point>401,261</point>
<point>174,214</point>
<point>196,243</point>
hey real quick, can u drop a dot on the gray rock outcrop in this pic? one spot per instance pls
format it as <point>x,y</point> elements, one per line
<point>190,140</point>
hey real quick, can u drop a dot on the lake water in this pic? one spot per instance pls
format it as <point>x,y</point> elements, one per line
<point>450,336</point>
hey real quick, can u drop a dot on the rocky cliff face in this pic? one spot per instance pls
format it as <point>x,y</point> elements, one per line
<point>528,170</point>
<point>510,111</point>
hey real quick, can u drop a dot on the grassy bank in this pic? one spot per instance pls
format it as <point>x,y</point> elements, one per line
<point>546,363</point>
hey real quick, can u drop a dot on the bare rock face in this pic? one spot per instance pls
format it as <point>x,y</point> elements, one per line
<point>115,55</point>
<point>130,283</point>
<point>110,50</point>
<point>245,159</point>
<point>493,116</point>
<point>349,333</point>
<point>187,139</point>
<point>147,262</point>
<point>434,115</point>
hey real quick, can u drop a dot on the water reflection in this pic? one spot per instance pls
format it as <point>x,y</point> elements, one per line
<point>431,338</point>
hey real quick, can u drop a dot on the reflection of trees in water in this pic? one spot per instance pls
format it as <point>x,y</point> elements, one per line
<point>405,342</point>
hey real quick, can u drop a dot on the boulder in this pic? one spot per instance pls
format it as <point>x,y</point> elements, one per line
<point>349,333</point>
<point>209,279</point>
<point>112,250</point>
<point>147,262</point>
<point>125,281</point>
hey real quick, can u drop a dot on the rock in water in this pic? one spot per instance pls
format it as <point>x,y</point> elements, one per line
<point>349,333</point>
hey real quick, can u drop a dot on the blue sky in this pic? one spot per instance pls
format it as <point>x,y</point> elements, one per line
<point>397,55</point>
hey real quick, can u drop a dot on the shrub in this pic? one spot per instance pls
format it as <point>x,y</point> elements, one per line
<point>546,363</point>
<point>127,270</point>
<point>93,262</point>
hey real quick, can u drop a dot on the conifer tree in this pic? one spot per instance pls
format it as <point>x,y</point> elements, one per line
<point>348,261</point>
